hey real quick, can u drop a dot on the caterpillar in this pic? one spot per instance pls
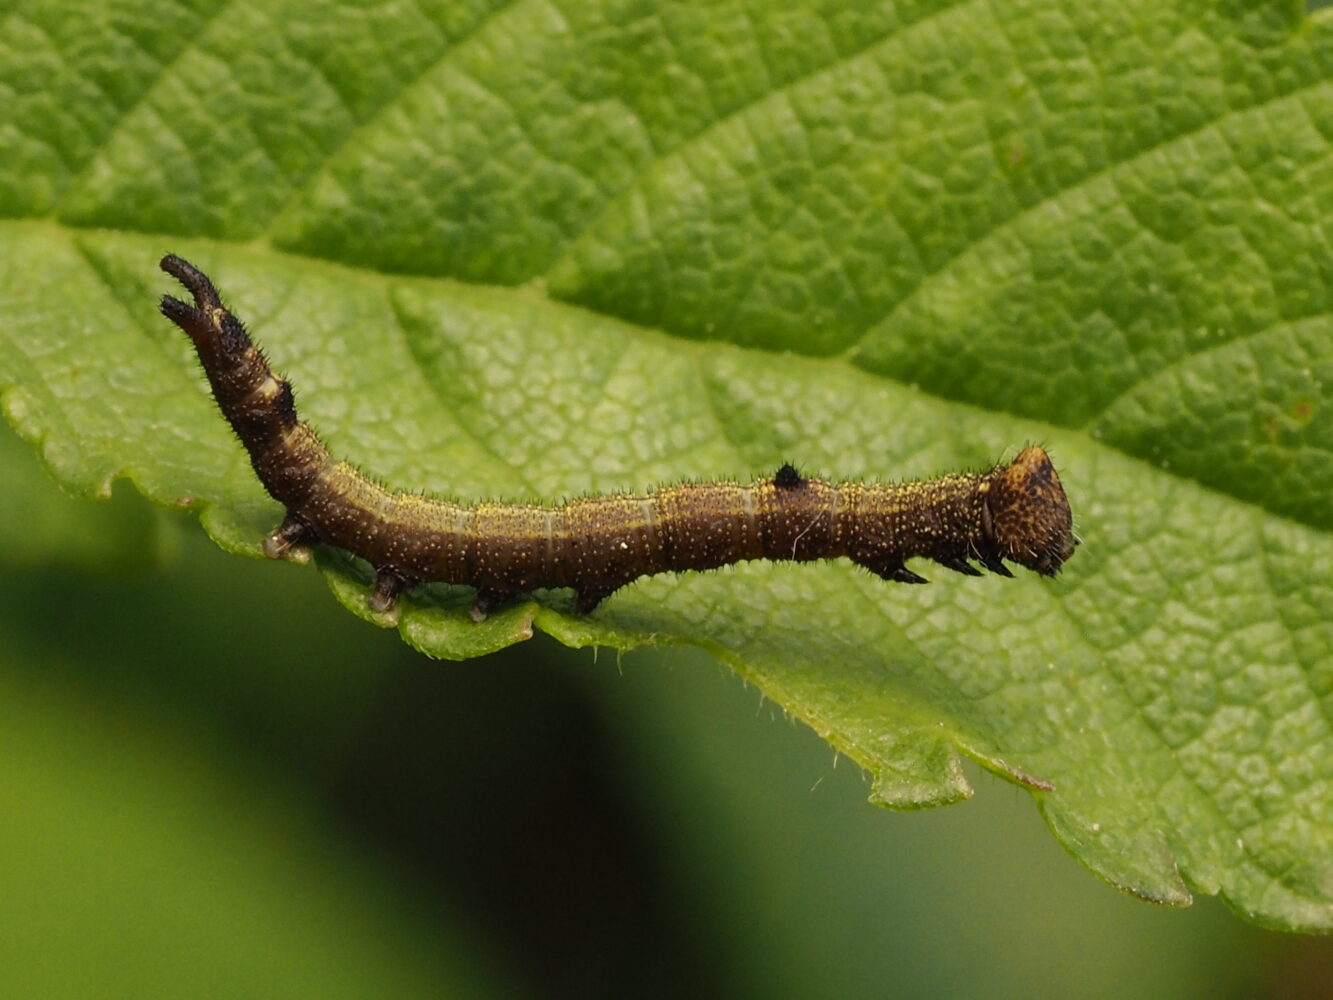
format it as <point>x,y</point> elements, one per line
<point>595,545</point>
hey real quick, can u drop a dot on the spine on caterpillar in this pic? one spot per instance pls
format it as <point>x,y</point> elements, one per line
<point>596,545</point>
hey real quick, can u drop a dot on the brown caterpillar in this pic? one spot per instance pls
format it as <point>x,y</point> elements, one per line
<point>596,545</point>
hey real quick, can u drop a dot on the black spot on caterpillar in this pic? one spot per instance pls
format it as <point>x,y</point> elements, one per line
<point>1016,512</point>
<point>788,478</point>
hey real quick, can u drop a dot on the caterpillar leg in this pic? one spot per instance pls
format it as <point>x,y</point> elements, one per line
<point>897,573</point>
<point>587,599</point>
<point>487,602</point>
<point>286,539</point>
<point>388,585</point>
<point>992,562</point>
<point>960,566</point>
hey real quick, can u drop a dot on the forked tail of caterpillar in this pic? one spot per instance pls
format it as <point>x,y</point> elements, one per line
<point>1016,511</point>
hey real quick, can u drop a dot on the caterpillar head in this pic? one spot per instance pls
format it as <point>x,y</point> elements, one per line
<point>1026,513</point>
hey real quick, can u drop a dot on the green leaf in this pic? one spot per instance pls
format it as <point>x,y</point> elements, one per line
<point>531,251</point>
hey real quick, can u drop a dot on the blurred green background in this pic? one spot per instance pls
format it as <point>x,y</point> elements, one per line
<point>217,783</point>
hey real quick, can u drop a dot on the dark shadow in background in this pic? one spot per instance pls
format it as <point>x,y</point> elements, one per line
<point>491,783</point>
<point>487,786</point>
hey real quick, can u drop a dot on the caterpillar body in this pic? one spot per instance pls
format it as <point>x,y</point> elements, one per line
<point>595,545</point>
